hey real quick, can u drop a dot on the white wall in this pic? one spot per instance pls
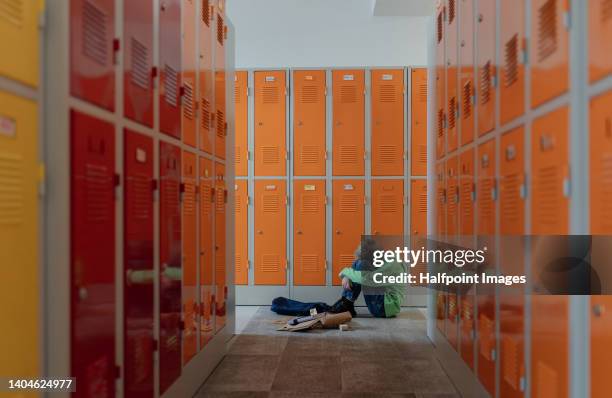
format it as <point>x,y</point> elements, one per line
<point>321,33</point>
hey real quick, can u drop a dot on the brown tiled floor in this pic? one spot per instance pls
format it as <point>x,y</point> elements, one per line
<point>387,358</point>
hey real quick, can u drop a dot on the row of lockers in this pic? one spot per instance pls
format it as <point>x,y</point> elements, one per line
<point>308,92</point>
<point>308,207</point>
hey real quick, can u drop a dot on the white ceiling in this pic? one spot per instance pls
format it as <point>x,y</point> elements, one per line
<point>404,8</point>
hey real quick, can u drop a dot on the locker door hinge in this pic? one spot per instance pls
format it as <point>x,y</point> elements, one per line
<point>493,354</point>
<point>155,345</point>
<point>567,187</point>
<point>117,372</point>
<point>525,53</point>
<point>365,200</point>
<point>249,91</point>
<point>286,264</point>
<point>155,190</point>
<point>287,155</point>
<point>117,183</point>
<point>287,202</point>
<point>326,201</point>
<point>326,91</point>
<point>181,191</point>
<point>523,187</point>
<point>404,200</point>
<point>248,264</point>
<point>522,384</point>
<point>248,153</point>
<point>116,48</point>
<point>326,264</point>
<point>197,193</point>
<point>42,180</point>
<point>212,195</point>
<point>326,155</point>
<point>248,200</point>
<point>494,80</point>
<point>494,190</point>
<point>473,193</point>
<point>365,155</point>
<point>225,196</point>
<point>154,73</point>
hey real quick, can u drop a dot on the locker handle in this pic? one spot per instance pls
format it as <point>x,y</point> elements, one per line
<point>299,232</point>
<point>260,232</point>
<point>338,232</point>
<point>598,310</point>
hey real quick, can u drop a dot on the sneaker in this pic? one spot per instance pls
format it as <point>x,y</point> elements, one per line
<point>343,305</point>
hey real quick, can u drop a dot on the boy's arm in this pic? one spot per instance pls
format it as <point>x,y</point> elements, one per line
<point>367,277</point>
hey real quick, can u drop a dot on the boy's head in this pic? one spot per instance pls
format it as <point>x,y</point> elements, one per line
<point>365,251</point>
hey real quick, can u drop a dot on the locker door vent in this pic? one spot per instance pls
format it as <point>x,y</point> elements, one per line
<point>548,195</point>
<point>270,155</point>
<point>171,86</point>
<point>238,264</point>
<point>439,25</point>
<point>487,342</point>
<point>387,154</point>
<point>547,30</point>
<point>271,203</point>
<point>451,11</point>
<point>309,154</point>
<point>422,92</point>
<point>140,64</point>
<point>387,93</point>
<point>346,260</point>
<point>139,188</point>
<point>189,199</point>
<point>94,33</point>
<point>98,194</point>
<point>220,28</point>
<point>205,114</point>
<point>349,203</point>
<point>309,262</point>
<point>440,123</point>
<point>452,113</point>
<point>348,154</point>
<point>206,12</point>
<point>237,94</point>
<point>606,11</point>
<point>11,189</point>
<point>388,203</point>
<point>510,363</point>
<point>547,381</point>
<point>220,123</point>
<point>206,203</point>
<point>270,94</point>
<point>310,95</point>
<point>12,11</point>
<point>348,94</point>
<point>220,200</point>
<point>270,263</point>
<point>422,154</point>
<point>171,193</point>
<point>511,67</point>
<point>188,110</point>
<point>310,204</point>
<point>510,195</point>
<point>422,202</point>
<point>467,100</point>
<point>237,156</point>
<point>466,194</point>
<point>237,204</point>
<point>485,83</point>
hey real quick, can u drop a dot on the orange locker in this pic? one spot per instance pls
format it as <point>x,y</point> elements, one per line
<point>512,183</point>
<point>388,122</point>
<point>441,310</point>
<point>418,208</point>
<point>440,83</point>
<point>189,99</point>
<point>241,239</point>
<point>348,223</point>
<point>441,200</point>
<point>466,70</point>
<point>270,123</point>
<point>452,320</point>
<point>487,189</point>
<point>467,327</point>
<point>514,47</point>
<point>220,246</point>
<point>309,121</point>
<point>466,193</point>
<point>309,232</point>
<point>206,83</point>
<point>487,70</point>
<point>206,251</point>
<point>220,79</point>
<point>419,122</point>
<point>601,345</point>
<point>388,207</point>
<point>452,196</point>
<point>241,104</point>
<point>600,46</point>
<point>190,301</point>
<point>549,50</point>
<point>452,105</point>
<point>486,342</point>
<point>550,173</point>
<point>348,151</point>
<point>600,167</point>
<point>270,232</point>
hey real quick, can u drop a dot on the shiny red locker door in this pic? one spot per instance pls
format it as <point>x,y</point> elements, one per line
<point>189,293</point>
<point>138,278</point>
<point>220,34</point>
<point>220,246</point>
<point>205,84</point>
<point>92,51</point>
<point>188,74</point>
<point>207,317</point>
<point>170,261</point>
<point>92,255</point>
<point>170,91</point>
<point>138,61</point>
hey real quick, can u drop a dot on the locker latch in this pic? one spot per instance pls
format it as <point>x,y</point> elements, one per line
<point>117,372</point>
<point>248,264</point>
<point>42,178</point>
<point>225,195</point>
<point>248,155</point>
<point>181,191</point>
<point>117,183</point>
<point>116,48</point>
<point>212,195</point>
<point>155,344</point>
<point>154,189</point>
<point>365,155</point>
<point>522,384</point>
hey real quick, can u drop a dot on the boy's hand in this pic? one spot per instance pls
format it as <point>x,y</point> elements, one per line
<point>346,283</point>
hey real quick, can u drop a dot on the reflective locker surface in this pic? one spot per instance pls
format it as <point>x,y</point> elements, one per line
<point>514,47</point>
<point>241,108</point>
<point>207,316</point>
<point>170,68</point>
<point>205,83</point>
<point>139,275</point>
<point>348,207</point>
<point>418,208</point>
<point>92,253</point>
<point>219,35</point>
<point>419,122</point>
<point>221,196</point>
<point>241,276</point>
<point>188,73</point>
<point>440,84</point>
<point>190,247</point>
<point>452,106</point>
<point>466,70</point>
<point>486,67</point>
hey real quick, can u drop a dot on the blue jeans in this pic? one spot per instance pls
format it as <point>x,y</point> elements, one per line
<point>375,302</point>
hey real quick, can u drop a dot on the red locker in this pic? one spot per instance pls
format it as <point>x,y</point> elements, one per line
<point>467,193</point>
<point>170,85</point>
<point>348,223</point>
<point>452,196</point>
<point>92,255</point>
<point>241,104</point>
<point>388,207</point>
<point>348,151</point>
<point>419,122</point>
<point>309,232</point>
<point>440,83</point>
<point>206,83</point>
<point>93,51</point>
<point>270,126</point>
<point>190,253</point>
<point>452,93</point>
<point>220,246</point>
<point>600,166</point>
<point>487,70</point>
<point>600,47</point>
<point>170,325</point>
<point>549,49</point>
<point>418,208</point>
<point>466,70</point>
<point>138,78</point>
<point>188,73</point>
<point>241,276</point>
<point>514,45</point>
<point>207,193</point>
<point>440,200</point>
<point>270,232</point>
<point>388,122</point>
<point>138,262</point>
<point>220,34</point>
<point>309,124</point>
